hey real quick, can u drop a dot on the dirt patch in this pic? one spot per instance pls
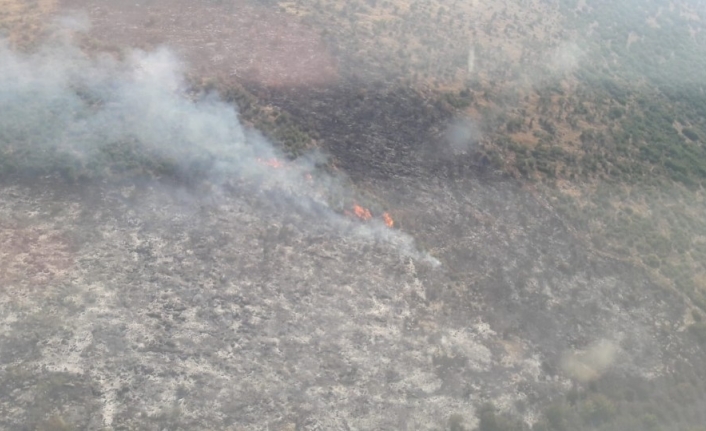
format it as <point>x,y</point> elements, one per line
<point>235,39</point>
<point>22,21</point>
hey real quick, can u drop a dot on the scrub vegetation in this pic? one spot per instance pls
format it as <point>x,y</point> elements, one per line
<point>595,112</point>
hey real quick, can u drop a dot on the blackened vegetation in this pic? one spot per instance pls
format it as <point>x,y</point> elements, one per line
<point>292,136</point>
<point>372,131</point>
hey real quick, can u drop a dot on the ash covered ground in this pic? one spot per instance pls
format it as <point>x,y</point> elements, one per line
<point>143,307</point>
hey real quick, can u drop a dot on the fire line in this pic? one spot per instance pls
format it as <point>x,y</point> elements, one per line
<point>358,211</point>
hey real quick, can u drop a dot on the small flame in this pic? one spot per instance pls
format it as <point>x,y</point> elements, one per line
<point>362,213</point>
<point>388,220</point>
<point>273,162</point>
<point>358,211</point>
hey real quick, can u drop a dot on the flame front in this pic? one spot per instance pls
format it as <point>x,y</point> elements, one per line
<point>388,220</point>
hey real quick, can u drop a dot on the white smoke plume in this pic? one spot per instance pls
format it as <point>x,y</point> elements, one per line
<point>463,136</point>
<point>565,58</point>
<point>60,105</point>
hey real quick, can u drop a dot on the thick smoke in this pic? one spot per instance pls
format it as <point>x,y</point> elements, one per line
<point>59,105</point>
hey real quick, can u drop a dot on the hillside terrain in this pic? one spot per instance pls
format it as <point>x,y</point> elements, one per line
<point>374,214</point>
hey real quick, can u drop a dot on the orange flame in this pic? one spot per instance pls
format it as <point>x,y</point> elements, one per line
<point>358,211</point>
<point>273,162</point>
<point>362,213</point>
<point>388,220</point>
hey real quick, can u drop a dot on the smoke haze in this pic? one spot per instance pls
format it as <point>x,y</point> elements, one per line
<point>61,109</point>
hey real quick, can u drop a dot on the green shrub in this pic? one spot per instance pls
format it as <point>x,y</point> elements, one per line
<point>456,423</point>
<point>557,417</point>
<point>616,112</point>
<point>690,133</point>
<point>597,410</point>
<point>489,420</point>
<point>698,330</point>
<point>652,261</point>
